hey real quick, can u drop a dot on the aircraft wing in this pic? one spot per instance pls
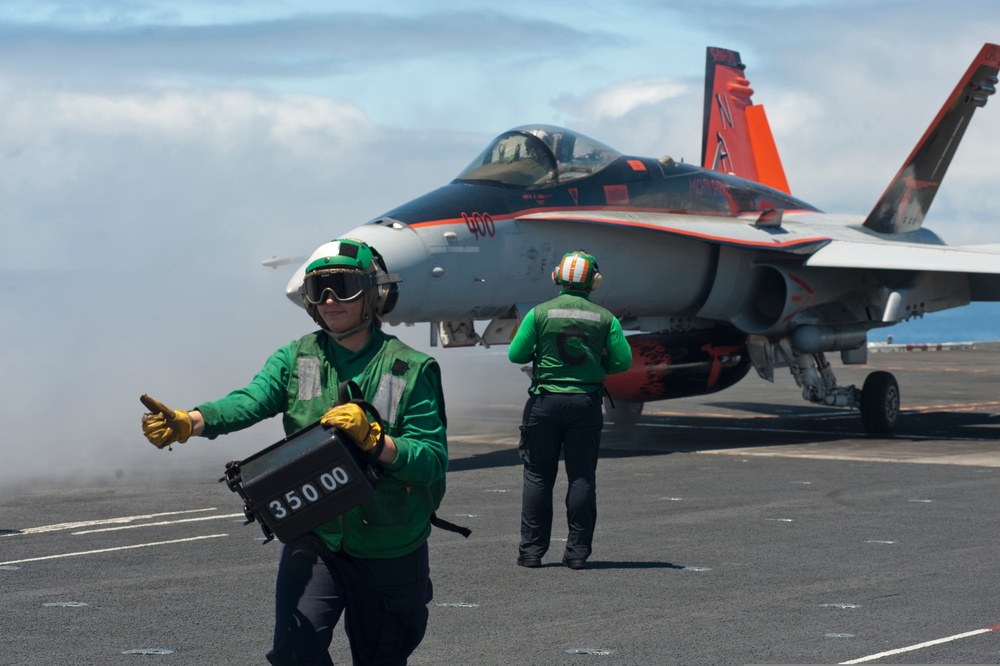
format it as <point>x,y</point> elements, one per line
<point>827,250</point>
<point>759,232</point>
<point>898,256</point>
<point>980,263</point>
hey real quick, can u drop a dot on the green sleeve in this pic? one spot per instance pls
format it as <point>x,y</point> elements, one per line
<point>522,347</point>
<point>265,396</point>
<point>422,441</point>
<point>619,357</point>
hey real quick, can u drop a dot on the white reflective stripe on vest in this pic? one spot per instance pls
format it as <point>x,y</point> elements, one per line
<point>387,397</point>
<point>561,313</point>
<point>309,380</point>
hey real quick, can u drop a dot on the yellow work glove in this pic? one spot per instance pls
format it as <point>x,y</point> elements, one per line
<point>351,419</point>
<point>164,426</point>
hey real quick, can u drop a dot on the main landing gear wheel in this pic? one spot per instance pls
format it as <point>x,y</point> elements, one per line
<point>879,403</point>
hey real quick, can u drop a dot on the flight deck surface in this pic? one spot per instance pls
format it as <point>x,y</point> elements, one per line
<point>744,527</point>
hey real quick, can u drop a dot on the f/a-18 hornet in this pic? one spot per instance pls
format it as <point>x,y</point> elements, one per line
<point>714,268</point>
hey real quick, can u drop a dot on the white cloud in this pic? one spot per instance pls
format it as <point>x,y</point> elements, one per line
<point>77,166</point>
<point>620,99</point>
<point>216,119</point>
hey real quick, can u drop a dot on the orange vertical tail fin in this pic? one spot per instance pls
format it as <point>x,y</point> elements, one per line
<point>736,137</point>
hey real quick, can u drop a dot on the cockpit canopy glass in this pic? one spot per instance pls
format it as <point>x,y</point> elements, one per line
<point>539,156</point>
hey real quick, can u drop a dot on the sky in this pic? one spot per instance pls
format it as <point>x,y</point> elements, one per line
<point>152,154</point>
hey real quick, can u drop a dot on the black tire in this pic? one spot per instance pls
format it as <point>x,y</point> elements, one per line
<point>879,403</point>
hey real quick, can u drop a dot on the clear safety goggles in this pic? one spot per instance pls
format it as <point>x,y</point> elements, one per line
<point>344,286</point>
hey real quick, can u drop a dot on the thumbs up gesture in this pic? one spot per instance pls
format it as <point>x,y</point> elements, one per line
<point>164,426</point>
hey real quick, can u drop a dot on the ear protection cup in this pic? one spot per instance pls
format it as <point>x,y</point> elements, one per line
<point>595,282</point>
<point>388,294</point>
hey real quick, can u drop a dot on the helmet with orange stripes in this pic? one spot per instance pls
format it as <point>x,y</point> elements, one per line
<point>577,270</point>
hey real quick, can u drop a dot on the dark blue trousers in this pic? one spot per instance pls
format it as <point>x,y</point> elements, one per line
<point>569,423</point>
<point>385,602</point>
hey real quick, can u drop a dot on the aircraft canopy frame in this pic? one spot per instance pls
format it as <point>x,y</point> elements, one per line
<point>533,156</point>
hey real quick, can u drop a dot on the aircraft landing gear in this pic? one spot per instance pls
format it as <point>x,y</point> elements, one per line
<point>879,403</point>
<point>878,400</point>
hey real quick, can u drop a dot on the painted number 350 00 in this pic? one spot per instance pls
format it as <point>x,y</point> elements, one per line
<point>308,493</point>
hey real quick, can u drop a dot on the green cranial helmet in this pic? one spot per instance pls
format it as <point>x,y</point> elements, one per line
<point>577,270</point>
<point>344,253</point>
<point>347,270</point>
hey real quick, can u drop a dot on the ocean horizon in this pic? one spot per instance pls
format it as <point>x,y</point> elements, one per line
<point>978,322</point>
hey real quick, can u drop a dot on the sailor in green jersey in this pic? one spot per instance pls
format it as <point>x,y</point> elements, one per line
<point>572,345</point>
<point>371,562</point>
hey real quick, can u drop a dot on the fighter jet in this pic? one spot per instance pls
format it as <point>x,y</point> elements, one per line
<point>712,269</point>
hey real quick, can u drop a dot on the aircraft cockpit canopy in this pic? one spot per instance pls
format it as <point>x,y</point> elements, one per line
<point>539,156</point>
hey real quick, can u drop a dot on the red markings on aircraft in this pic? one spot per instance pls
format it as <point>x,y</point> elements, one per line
<point>991,55</point>
<point>805,299</point>
<point>575,193</point>
<point>912,185</point>
<point>770,243</point>
<point>480,225</point>
<point>636,165</point>
<point>705,187</point>
<point>616,195</point>
<point>725,57</point>
<point>594,216</point>
<point>717,354</point>
<point>740,88</point>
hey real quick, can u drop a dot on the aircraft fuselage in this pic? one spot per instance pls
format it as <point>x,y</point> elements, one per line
<point>465,250</point>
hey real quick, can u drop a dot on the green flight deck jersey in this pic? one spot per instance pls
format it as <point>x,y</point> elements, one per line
<point>300,381</point>
<point>573,343</point>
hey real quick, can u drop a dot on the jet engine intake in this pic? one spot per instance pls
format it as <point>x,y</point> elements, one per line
<point>770,299</point>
